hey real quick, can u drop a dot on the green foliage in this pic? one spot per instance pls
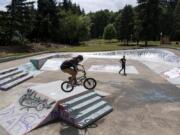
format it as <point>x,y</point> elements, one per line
<point>148,12</point>
<point>137,27</point>
<point>65,22</point>
<point>67,5</point>
<point>177,21</point>
<point>75,29</point>
<point>4,28</point>
<point>167,18</point>
<point>20,13</point>
<point>126,23</point>
<point>99,21</point>
<point>109,32</point>
<point>47,23</point>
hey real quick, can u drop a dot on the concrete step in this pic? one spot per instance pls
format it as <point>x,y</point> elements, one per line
<point>6,75</point>
<point>15,82</point>
<point>7,70</point>
<point>79,99</point>
<point>84,104</point>
<point>104,110</point>
<point>92,109</point>
<point>12,78</point>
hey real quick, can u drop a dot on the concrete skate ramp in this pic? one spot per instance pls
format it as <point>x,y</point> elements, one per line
<point>53,89</point>
<point>52,64</point>
<point>39,62</point>
<point>29,112</point>
<point>155,55</point>
<point>80,107</point>
<point>46,102</point>
<point>112,69</point>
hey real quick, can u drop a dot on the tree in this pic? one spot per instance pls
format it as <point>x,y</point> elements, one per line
<point>137,27</point>
<point>126,23</point>
<point>177,21</point>
<point>109,32</point>
<point>47,25</point>
<point>84,28</point>
<point>75,29</point>
<point>99,21</point>
<point>148,13</point>
<point>20,15</point>
<point>4,28</point>
<point>167,17</point>
<point>67,5</point>
<point>118,24</point>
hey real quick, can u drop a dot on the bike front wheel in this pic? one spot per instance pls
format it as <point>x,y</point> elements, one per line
<point>89,83</point>
<point>67,87</point>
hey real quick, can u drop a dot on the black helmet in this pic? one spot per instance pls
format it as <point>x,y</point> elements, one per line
<point>80,57</point>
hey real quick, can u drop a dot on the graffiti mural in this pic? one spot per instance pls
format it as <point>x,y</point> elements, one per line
<point>28,112</point>
<point>173,73</point>
<point>31,100</point>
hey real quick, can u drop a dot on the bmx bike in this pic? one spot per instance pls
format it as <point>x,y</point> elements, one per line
<point>88,83</point>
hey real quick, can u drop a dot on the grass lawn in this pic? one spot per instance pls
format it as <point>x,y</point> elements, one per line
<point>104,45</point>
<point>97,45</point>
<point>94,45</point>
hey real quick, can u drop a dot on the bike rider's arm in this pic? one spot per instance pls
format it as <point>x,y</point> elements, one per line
<point>82,70</point>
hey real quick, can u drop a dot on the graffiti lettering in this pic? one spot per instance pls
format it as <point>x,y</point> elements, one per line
<point>31,100</point>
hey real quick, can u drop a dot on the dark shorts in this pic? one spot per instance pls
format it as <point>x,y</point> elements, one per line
<point>64,68</point>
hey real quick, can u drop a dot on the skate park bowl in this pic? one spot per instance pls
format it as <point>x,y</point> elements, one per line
<point>147,98</point>
<point>154,55</point>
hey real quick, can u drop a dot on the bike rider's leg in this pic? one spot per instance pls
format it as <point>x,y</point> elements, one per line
<point>72,73</point>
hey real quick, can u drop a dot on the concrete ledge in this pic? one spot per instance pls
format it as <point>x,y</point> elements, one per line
<point>11,58</point>
<point>39,62</point>
<point>8,70</point>
<point>15,82</point>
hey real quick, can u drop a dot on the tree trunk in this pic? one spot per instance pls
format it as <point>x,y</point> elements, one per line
<point>146,43</point>
<point>137,42</point>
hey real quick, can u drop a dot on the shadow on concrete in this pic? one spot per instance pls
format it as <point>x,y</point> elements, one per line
<point>144,91</point>
<point>69,130</point>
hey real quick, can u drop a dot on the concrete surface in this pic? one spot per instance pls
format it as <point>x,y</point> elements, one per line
<point>53,91</point>
<point>112,69</point>
<point>144,104</point>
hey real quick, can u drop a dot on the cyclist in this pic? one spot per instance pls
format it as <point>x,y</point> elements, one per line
<point>71,67</point>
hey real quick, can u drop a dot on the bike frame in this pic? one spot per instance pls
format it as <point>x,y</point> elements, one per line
<point>83,77</point>
<point>80,81</point>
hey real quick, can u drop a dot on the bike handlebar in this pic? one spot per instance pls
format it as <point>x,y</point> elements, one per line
<point>84,71</point>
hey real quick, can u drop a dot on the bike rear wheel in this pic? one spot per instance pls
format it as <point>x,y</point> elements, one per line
<point>89,83</point>
<point>66,86</point>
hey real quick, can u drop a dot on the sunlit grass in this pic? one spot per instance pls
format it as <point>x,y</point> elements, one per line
<point>95,45</point>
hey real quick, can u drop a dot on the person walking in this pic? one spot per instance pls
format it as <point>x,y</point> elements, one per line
<point>123,65</point>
